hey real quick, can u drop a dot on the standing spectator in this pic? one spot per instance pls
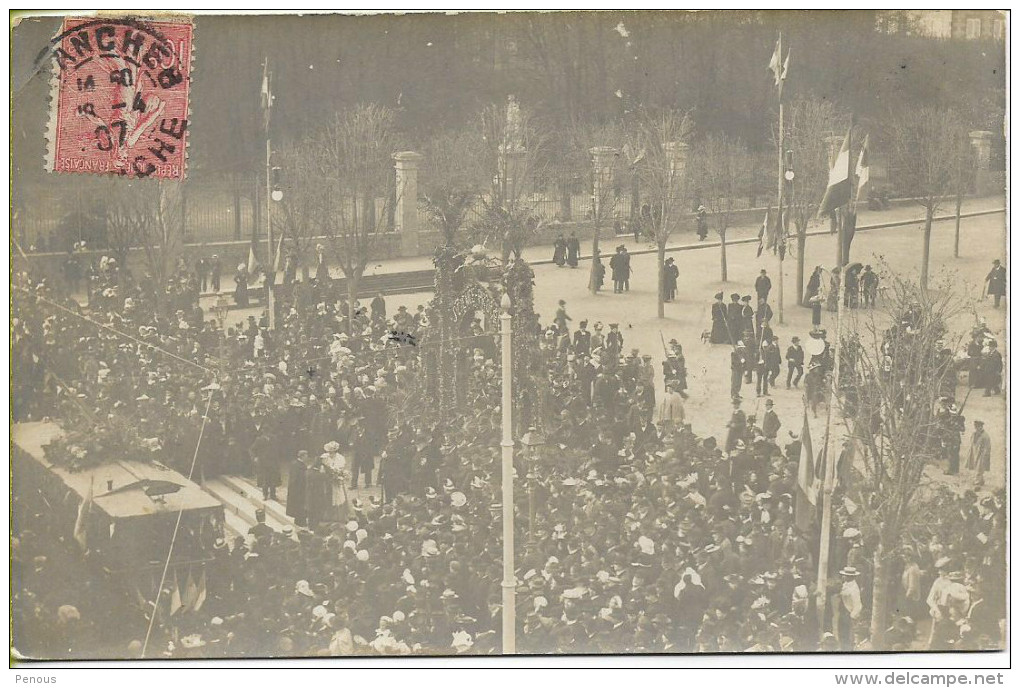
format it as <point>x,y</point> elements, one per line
<point>991,373</point>
<point>202,273</point>
<point>215,270</point>
<point>980,457</point>
<point>762,286</point>
<point>573,250</point>
<point>241,286</point>
<point>997,281</point>
<point>670,273</point>
<point>869,287</point>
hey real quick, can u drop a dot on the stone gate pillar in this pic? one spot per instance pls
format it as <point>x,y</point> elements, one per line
<point>406,215</point>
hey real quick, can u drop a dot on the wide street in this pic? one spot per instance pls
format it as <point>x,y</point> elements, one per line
<point>708,408</point>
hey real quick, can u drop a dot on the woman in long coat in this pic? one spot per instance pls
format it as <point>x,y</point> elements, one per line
<point>813,285</point>
<point>560,251</point>
<point>598,273</point>
<point>720,331</point>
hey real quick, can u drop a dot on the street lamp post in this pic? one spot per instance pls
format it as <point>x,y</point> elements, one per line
<point>507,444</point>
<point>531,441</point>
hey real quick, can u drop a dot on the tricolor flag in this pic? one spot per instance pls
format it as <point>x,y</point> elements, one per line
<point>838,191</point>
<point>776,63</point>
<point>253,262</point>
<point>863,169</point>
<point>80,532</point>
<point>175,596</point>
<point>266,97</point>
<point>804,507</point>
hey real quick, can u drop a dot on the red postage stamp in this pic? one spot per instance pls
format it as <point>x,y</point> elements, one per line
<point>120,97</point>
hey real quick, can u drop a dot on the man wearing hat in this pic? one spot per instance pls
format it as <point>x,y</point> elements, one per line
<point>737,365</point>
<point>733,319</point>
<point>670,274</point>
<point>619,264</point>
<point>848,608</point>
<point>770,422</point>
<point>951,428</point>
<point>996,279</point>
<point>794,363</point>
<point>762,286</point>
<point>980,457</point>
<point>720,332</point>
<point>614,341</point>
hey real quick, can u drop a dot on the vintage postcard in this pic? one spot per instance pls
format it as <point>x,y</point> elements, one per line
<point>364,335</point>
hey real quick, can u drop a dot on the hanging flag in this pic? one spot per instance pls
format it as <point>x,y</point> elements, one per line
<point>81,522</point>
<point>837,193</point>
<point>277,260</point>
<point>200,593</point>
<point>266,97</point>
<point>190,593</point>
<point>763,231</point>
<point>175,596</point>
<point>849,227</point>
<point>804,510</point>
<point>253,262</point>
<point>786,67</point>
<point>863,170</point>
<point>776,63</point>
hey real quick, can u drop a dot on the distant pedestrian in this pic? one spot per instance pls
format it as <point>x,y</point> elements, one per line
<point>573,250</point>
<point>794,363</point>
<point>980,457</point>
<point>762,286</point>
<point>996,279</point>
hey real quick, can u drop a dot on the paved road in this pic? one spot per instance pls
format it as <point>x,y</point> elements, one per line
<point>982,240</point>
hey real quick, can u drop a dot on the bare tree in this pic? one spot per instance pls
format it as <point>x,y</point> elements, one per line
<point>663,173</point>
<point>923,155</point>
<point>963,176</point>
<point>722,172</point>
<point>303,207</point>
<point>453,179</point>
<point>147,214</point>
<point>811,120</point>
<point>350,164</point>
<point>894,371</point>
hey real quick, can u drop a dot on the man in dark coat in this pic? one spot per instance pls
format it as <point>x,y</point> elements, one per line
<point>670,273</point>
<point>770,422</point>
<point>619,264</point>
<point>720,332</point>
<point>997,281</point>
<point>991,370</point>
<point>573,250</point>
<point>267,467</point>
<point>297,489</point>
<point>614,340</point>
<point>794,363</point>
<point>762,286</point>
<point>215,269</point>
<point>736,370</point>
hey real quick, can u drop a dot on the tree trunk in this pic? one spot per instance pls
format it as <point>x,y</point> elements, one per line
<point>635,198</point>
<point>801,245</point>
<point>956,240</point>
<point>879,598</point>
<point>661,272</point>
<point>594,252</point>
<point>565,211</point>
<point>722,254</point>
<point>926,253</point>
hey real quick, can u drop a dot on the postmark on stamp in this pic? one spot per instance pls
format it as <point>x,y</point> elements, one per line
<point>119,102</point>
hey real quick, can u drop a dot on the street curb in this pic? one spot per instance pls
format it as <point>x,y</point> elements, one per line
<point>817,232</point>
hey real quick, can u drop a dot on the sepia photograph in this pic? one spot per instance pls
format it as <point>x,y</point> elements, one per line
<point>403,335</point>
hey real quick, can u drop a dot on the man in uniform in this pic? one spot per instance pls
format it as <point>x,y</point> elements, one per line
<point>737,365</point>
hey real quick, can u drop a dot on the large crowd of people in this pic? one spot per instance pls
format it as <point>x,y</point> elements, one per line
<point>634,534</point>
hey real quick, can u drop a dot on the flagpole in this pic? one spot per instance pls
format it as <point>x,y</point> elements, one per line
<point>780,234</point>
<point>270,273</point>
<point>828,484</point>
